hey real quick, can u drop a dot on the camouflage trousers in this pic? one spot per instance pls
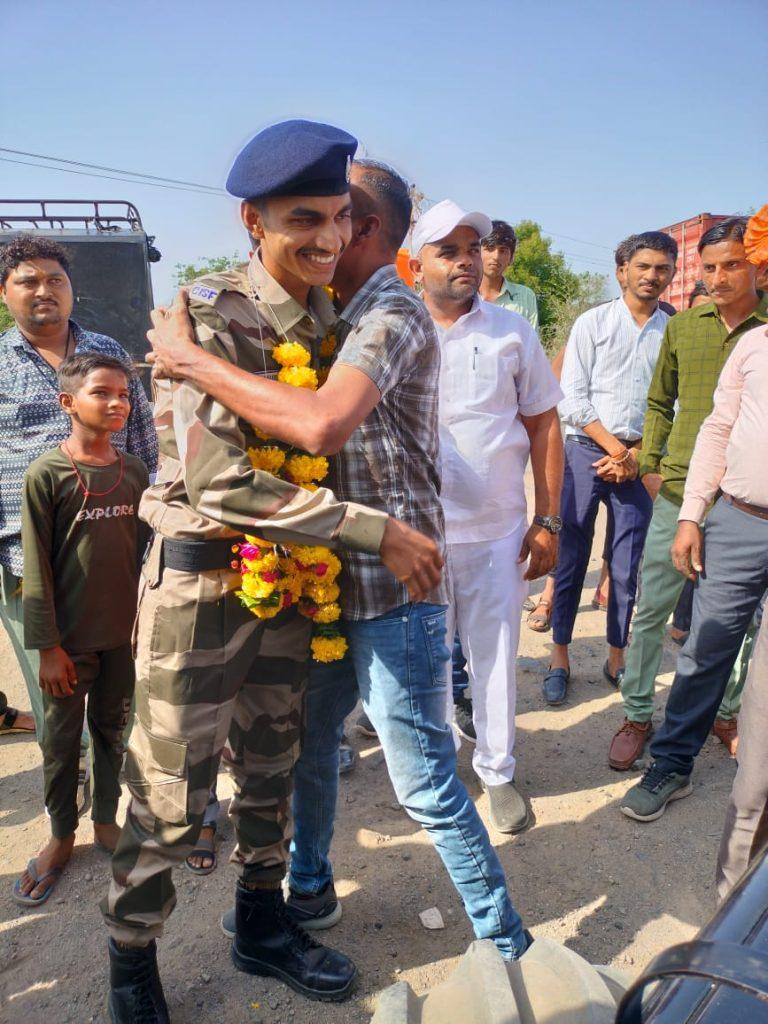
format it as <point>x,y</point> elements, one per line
<point>207,670</point>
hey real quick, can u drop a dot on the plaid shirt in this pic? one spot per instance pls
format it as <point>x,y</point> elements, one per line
<point>390,461</point>
<point>694,350</point>
<point>32,422</point>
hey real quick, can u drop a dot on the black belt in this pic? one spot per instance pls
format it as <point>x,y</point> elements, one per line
<point>202,555</point>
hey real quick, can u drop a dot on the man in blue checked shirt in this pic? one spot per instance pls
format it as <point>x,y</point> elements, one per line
<point>609,363</point>
<point>35,286</point>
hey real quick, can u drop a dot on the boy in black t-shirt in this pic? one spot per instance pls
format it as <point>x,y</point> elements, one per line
<point>82,540</point>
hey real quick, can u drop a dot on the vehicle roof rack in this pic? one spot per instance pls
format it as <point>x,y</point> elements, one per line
<point>97,215</point>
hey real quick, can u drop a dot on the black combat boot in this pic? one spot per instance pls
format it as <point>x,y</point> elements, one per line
<point>136,995</point>
<point>268,942</point>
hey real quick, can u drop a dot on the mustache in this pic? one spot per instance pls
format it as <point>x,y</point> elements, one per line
<point>320,252</point>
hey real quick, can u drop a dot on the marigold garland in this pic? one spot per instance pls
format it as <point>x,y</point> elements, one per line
<point>275,577</point>
<point>299,377</point>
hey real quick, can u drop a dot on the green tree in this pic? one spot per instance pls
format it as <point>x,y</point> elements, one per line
<point>6,320</point>
<point>187,273</point>
<point>562,294</point>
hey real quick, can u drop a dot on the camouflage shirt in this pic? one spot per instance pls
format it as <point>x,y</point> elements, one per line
<point>206,487</point>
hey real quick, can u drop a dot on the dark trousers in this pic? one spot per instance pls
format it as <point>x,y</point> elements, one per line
<point>106,679</point>
<point>459,675</point>
<point>682,618</point>
<point>726,597</point>
<point>629,513</point>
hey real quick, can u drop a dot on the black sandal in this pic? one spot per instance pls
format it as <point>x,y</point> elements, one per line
<point>8,723</point>
<point>206,848</point>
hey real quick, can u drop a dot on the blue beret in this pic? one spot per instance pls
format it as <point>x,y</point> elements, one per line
<point>293,158</point>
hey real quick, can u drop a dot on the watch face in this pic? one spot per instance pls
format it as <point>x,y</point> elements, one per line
<point>552,523</point>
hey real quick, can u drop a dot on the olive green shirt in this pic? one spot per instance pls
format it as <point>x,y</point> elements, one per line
<point>695,347</point>
<point>81,553</point>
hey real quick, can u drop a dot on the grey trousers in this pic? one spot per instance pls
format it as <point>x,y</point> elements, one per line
<point>746,820</point>
<point>12,618</point>
<point>727,595</point>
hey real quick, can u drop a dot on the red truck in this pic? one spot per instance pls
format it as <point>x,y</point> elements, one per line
<point>687,234</point>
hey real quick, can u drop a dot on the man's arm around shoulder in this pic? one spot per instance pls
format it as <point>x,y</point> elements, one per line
<point>319,422</point>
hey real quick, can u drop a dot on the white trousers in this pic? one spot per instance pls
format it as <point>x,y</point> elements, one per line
<point>488,591</point>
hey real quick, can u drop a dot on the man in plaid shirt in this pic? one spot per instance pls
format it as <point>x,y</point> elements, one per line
<point>379,412</point>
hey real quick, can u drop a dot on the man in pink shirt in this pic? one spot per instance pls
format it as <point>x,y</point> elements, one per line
<point>730,569</point>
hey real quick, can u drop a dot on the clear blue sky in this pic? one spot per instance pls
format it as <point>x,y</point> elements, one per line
<point>596,118</point>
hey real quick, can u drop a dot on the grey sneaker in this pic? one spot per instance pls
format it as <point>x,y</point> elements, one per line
<point>509,812</point>
<point>312,913</point>
<point>648,800</point>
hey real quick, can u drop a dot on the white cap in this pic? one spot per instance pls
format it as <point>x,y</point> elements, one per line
<point>440,220</point>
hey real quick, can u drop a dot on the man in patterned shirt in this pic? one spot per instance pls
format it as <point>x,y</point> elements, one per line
<point>378,411</point>
<point>35,286</point>
<point>696,344</point>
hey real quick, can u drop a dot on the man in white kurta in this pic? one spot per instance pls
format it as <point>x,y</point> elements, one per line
<point>498,405</point>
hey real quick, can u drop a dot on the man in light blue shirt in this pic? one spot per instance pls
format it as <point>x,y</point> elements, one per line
<point>498,252</point>
<point>609,363</point>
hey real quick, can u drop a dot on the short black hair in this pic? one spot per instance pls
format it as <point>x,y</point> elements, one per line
<point>392,194</point>
<point>74,369</point>
<point>698,289</point>
<point>501,234</point>
<point>660,241</point>
<point>23,248</point>
<point>731,227</point>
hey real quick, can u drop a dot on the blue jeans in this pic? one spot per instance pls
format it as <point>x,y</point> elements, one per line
<point>331,695</point>
<point>399,660</point>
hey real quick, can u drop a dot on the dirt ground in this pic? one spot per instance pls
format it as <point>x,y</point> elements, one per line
<point>615,891</point>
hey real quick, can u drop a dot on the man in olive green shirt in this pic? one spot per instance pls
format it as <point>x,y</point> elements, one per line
<point>498,251</point>
<point>696,344</point>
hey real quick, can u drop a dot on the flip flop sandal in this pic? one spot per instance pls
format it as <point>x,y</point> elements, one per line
<point>540,618</point>
<point>28,901</point>
<point>8,723</point>
<point>205,848</point>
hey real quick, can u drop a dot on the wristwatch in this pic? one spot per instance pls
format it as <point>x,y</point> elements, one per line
<point>552,523</point>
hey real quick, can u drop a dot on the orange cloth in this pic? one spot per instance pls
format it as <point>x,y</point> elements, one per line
<point>402,268</point>
<point>756,237</point>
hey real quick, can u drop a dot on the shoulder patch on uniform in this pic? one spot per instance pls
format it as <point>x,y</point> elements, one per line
<point>204,293</point>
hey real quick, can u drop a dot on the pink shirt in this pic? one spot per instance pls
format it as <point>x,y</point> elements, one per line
<point>731,452</point>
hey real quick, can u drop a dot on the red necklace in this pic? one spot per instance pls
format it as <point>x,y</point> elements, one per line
<point>83,488</point>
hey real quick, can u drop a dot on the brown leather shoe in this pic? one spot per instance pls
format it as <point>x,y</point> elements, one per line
<point>628,743</point>
<point>727,731</point>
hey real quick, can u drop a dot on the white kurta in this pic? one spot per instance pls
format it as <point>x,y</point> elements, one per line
<point>493,371</point>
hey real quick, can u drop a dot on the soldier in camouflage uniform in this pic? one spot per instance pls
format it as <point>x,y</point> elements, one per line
<point>207,669</point>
